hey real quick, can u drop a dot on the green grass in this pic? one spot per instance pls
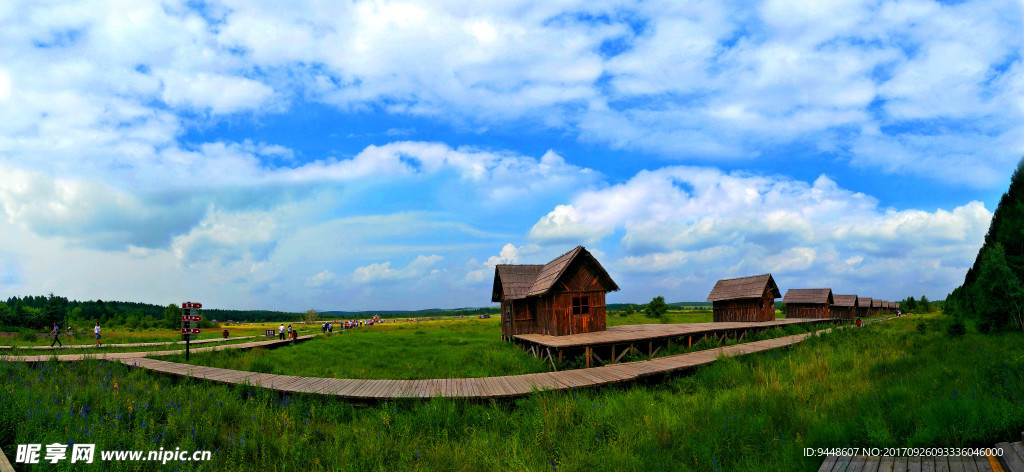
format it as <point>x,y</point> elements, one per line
<point>429,349</point>
<point>881,385</point>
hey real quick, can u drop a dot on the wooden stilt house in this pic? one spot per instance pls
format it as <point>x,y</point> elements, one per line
<point>876,307</point>
<point>844,306</point>
<point>863,306</point>
<point>808,303</point>
<point>564,296</point>
<point>885,307</point>
<point>744,299</point>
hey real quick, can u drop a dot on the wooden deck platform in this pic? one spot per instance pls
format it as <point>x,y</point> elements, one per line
<point>1012,460</point>
<point>93,346</point>
<point>615,342</point>
<point>472,388</point>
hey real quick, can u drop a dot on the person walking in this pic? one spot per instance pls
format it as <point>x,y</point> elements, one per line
<point>56,335</point>
<point>96,331</point>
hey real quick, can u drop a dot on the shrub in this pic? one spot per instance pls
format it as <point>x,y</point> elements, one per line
<point>921,328</point>
<point>956,328</point>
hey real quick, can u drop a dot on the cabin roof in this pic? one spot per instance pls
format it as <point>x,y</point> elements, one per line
<point>864,302</point>
<point>743,287</point>
<point>876,304</point>
<point>808,295</point>
<point>522,280</point>
<point>845,300</point>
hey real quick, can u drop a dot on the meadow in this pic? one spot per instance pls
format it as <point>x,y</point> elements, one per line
<point>903,382</point>
<point>452,348</point>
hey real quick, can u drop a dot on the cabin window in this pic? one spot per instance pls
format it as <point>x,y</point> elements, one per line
<point>580,305</point>
<point>508,313</point>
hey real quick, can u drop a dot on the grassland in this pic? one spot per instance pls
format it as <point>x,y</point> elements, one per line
<point>886,384</point>
<point>424,350</point>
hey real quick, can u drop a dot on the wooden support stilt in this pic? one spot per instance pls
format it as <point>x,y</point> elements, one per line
<point>613,354</point>
<point>559,355</point>
<point>655,352</point>
<point>588,356</point>
<point>650,347</point>
<point>689,342</point>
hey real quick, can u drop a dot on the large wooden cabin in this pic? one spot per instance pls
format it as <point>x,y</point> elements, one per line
<point>844,306</point>
<point>808,303</point>
<point>876,307</point>
<point>744,299</point>
<point>564,296</point>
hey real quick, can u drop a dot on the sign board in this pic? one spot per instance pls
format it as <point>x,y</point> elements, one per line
<point>270,333</point>
<point>190,330</point>
<point>191,306</point>
<point>191,318</point>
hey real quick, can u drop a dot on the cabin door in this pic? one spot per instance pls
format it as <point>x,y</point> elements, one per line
<point>579,313</point>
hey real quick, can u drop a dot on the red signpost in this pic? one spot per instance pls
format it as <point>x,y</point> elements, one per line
<point>187,318</point>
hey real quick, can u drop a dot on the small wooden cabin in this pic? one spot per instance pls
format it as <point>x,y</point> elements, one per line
<point>744,299</point>
<point>863,306</point>
<point>564,296</point>
<point>897,306</point>
<point>885,307</point>
<point>876,307</point>
<point>844,306</point>
<point>808,303</point>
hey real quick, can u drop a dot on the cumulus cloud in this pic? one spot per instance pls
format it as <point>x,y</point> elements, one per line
<point>688,80</point>
<point>382,271</point>
<point>321,280</point>
<point>705,222</point>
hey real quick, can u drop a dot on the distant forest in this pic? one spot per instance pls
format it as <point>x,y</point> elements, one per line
<point>40,312</point>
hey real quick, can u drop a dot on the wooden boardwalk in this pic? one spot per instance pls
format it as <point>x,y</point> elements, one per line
<point>134,355</point>
<point>473,388</point>
<point>1012,460</point>
<point>93,346</point>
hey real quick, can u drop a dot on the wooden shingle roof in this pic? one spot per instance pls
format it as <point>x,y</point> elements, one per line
<point>845,300</point>
<point>743,287</point>
<point>876,304</point>
<point>514,281</point>
<point>864,302</point>
<point>808,295</point>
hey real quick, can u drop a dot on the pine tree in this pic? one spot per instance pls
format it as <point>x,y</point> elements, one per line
<point>1006,230</point>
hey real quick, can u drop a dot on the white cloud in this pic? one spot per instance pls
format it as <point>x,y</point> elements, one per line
<point>5,85</point>
<point>221,94</point>
<point>323,279</point>
<point>382,271</point>
<point>688,80</point>
<point>689,221</point>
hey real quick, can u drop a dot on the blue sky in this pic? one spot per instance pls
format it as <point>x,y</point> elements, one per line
<point>388,154</point>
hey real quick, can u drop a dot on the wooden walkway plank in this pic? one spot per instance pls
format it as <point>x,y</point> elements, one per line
<point>885,464</point>
<point>826,466</point>
<point>856,464</point>
<point>1010,460</point>
<point>871,464</point>
<point>842,464</point>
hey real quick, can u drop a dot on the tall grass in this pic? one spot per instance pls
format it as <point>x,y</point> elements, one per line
<point>884,384</point>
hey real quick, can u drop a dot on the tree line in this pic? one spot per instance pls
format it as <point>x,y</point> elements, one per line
<point>992,294</point>
<point>42,311</point>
